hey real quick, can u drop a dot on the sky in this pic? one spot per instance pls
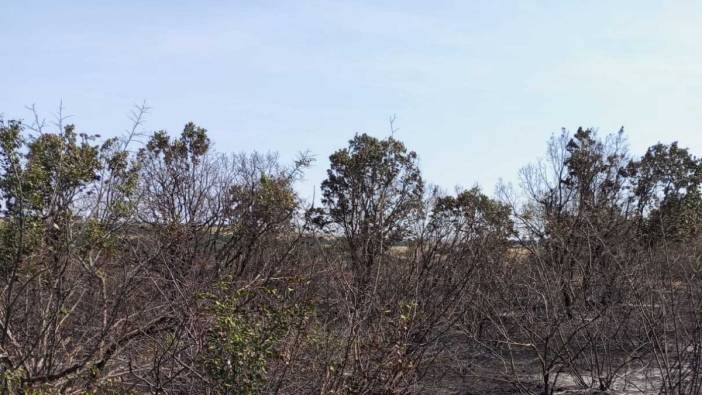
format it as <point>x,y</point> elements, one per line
<point>477,87</point>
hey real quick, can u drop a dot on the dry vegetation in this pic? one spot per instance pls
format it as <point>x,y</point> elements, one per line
<point>165,267</point>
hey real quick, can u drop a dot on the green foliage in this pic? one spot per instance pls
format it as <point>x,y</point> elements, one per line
<point>667,188</point>
<point>373,191</point>
<point>52,170</point>
<point>44,175</point>
<point>472,214</point>
<point>269,201</point>
<point>192,144</point>
<point>242,343</point>
<point>595,169</point>
<point>12,384</point>
<point>45,179</point>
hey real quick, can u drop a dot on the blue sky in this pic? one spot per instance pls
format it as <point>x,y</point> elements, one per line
<point>477,86</point>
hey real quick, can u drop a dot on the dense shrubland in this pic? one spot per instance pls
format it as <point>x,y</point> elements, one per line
<point>156,265</point>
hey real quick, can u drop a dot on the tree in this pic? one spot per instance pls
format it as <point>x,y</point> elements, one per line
<point>372,193</point>
<point>65,199</point>
<point>667,189</point>
<point>565,294</point>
